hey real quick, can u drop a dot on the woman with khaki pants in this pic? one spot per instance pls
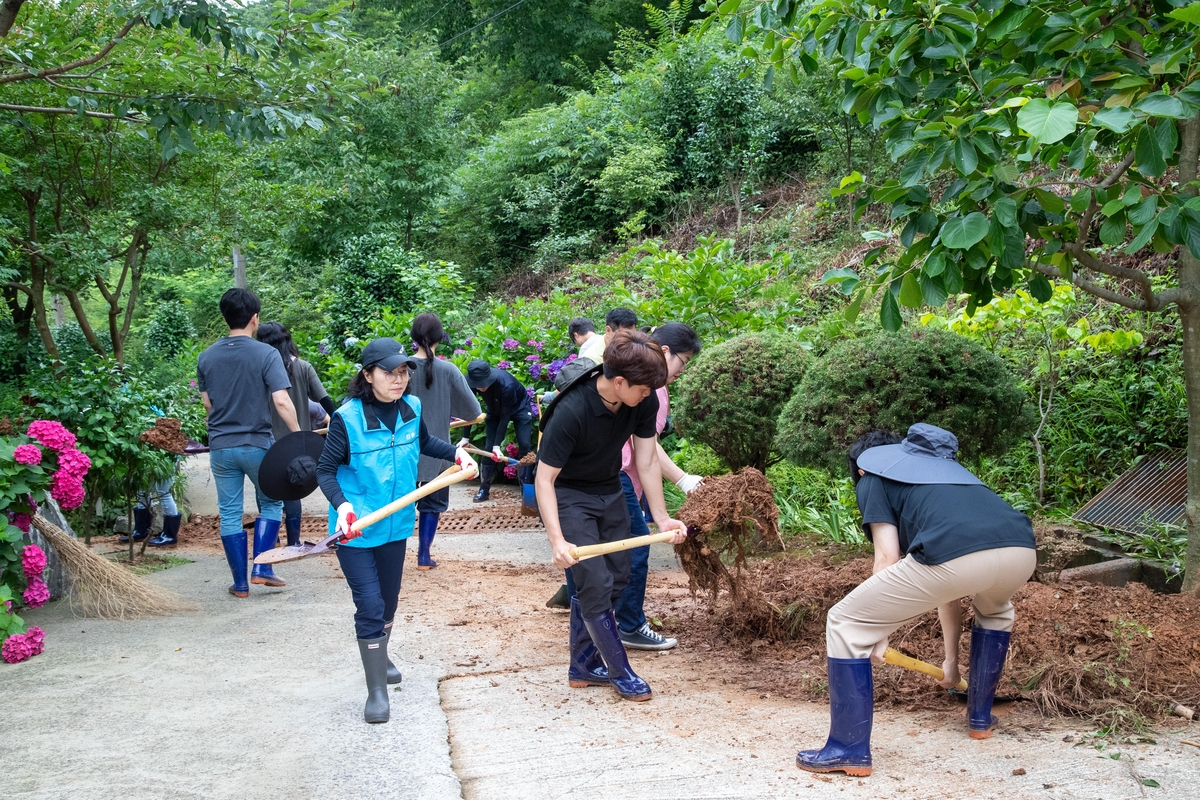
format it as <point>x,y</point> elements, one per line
<point>957,538</point>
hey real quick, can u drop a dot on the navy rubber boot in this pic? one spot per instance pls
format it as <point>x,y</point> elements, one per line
<point>851,707</point>
<point>587,667</point>
<point>235,554</point>
<point>988,651</point>
<point>426,528</point>
<point>603,630</point>
<point>142,518</point>
<point>170,531</point>
<point>266,536</point>
<point>293,531</point>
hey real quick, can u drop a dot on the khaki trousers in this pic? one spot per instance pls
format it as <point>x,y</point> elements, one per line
<point>908,589</point>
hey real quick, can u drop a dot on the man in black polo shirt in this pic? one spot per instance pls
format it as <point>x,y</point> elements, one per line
<point>506,399</point>
<point>579,495</point>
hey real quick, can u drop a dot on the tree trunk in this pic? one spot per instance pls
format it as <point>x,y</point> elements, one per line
<point>8,14</point>
<point>1189,316</point>
<point>37,277</point>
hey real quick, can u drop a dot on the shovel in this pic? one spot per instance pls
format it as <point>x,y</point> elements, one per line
<point>298,551</point>
<point>529,505</point>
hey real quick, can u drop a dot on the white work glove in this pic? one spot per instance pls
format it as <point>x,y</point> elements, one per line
<point>498,455</point>
<point>689,483</point>
<point>346,518</point>
<point>464,460</point>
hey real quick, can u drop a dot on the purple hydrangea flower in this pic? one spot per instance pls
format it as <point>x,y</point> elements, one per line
<point>554,368</point>
<point>572,357</point>
<point>323,349</point>
<point>460,352</point>
<point>533,357</point>
<point>505,365</point>
<point>469,342</point>
<point>535,371</point>
<point>511,344</point>
<point>533,408</point>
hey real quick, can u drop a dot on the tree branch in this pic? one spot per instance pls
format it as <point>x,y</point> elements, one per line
<point>71,111</point>
<point>84,324</point>
<point>1145,287</point>
<point>13,77</point>
<point>8,14</point>
<point>20,287</point>
<point>1157,303</point>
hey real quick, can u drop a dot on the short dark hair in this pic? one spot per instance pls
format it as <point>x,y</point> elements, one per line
<point>620,318</point>
<point>580,325</point>
<point>678,337</point>
<point>637,358</point>
<point>865,442</point>
<point>238,306</point>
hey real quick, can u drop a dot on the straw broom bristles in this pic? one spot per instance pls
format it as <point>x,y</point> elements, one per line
<point>103,589</point>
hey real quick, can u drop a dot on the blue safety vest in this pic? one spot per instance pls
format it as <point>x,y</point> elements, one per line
<point>382,468</point>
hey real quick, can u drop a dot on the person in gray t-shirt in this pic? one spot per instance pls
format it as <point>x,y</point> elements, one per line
<point>444,393</point>
<point>240,379</point>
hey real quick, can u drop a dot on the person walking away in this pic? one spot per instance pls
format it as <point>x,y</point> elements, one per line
<point>579,495</point>
<point>957,538</point>
<point>444,393</point>
<point>370,458</point>
<point>306,387</point>
<point>507,401</point>
<point>240,380</point>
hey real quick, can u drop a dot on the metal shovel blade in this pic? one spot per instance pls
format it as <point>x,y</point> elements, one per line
<point>297,551</point>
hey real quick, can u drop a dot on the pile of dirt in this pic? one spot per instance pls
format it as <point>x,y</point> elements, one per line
<point>728,517</point>
<point>528,460</point>
<point>1077,649</point>
<point>1056,547</point>
<point>167,434</point>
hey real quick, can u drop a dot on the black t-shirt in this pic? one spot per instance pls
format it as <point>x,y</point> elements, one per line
<point>584,438</point>
<point>939,522</point>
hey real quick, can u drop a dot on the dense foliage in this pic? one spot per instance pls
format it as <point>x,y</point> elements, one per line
<point>889,381</point>
<point>731,396</point>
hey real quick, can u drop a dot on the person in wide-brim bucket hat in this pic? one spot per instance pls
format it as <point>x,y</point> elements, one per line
<point>939,534</point>
<point>507,401</point>
<point>289,469</point>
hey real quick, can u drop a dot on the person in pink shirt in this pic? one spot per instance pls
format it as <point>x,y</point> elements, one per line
<point>679,344</point>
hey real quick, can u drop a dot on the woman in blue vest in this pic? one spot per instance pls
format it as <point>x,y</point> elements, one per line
<point>374,443</point>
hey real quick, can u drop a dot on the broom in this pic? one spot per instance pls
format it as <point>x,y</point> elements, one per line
<point>102,589</point>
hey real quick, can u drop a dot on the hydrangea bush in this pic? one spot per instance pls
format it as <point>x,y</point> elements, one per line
<point>45,460</point>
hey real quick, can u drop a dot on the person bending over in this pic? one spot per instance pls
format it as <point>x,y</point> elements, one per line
<point>939,535</point>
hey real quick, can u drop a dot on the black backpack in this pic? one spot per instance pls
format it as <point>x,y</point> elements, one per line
<point>570,377</point>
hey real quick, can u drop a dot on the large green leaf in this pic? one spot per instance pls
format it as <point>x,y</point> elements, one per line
<point>1116,119</point>
<point>1046,122</point>
<point>1162,105</point>
<point>889,312</point>
<point>962,233</point>
<point>910,291</point>
<point>1189,13</point>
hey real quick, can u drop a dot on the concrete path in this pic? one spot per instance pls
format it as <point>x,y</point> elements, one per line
<point>262,698</point>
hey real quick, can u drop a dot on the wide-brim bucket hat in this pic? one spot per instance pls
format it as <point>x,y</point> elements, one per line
<point>289,469</point>
<point>927,455</point>
<point>481,374</point>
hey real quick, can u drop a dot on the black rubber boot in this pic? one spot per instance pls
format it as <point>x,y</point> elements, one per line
<point>393,673</point>
<point>374,659</point>
<point>603,632</point>
<point>170,531</point>
<point>561,599</point>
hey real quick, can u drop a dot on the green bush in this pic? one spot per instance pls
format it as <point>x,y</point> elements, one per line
<point>730,398</point>
<point>170,330</point>
<point>891,380</point>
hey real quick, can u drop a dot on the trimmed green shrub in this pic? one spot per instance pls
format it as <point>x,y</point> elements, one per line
<point>170,329</point>
<point>891,380</point>
<point>731,396</point>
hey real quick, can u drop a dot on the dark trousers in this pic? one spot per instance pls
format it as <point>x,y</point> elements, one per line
<point>523,425</point>
<point>596,519</point>
<point>373,574</point>
<point>435,503</point>
<point>292,509</point>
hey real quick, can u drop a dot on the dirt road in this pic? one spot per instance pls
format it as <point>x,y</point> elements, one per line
<point>262,698</point>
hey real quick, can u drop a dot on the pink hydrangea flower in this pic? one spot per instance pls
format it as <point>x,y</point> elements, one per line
<point>27,454</point>
<point>67,490</point>
<point>22,521</point>
<point>510,472</point>
<point>74,462</point>
<point>51,434</point>
<point>460,352</point>
<point>33,561</point>
<point>21,646</point>
<point>512,450</point>
<point>36,593</point>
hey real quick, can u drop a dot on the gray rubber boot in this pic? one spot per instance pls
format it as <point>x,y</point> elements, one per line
<point>374,658</point>
<point>393,673</point>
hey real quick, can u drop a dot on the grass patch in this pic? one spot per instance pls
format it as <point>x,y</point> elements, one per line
<point>149,563</point>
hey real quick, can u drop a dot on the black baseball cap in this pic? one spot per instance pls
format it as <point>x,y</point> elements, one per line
<point>387,354</point>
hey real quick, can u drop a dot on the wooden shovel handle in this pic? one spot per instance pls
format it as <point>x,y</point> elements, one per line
<point>898,659</point>
<point>593,550</point>
<point>465,423</point>
<point>447,478</point>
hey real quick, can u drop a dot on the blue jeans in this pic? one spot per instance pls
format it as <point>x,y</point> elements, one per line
<point>230,467</point>
<point>374,575</point>
<point>629,611</point>
<point>162,493</point>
